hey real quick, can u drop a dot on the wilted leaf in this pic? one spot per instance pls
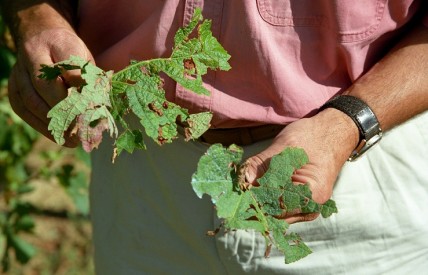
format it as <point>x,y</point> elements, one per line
<point>129,141</point>
<point>198,124</point>
<point>91,125</point>
<point>138,89</point>
<point>90,101</point>
<point>256,207</point>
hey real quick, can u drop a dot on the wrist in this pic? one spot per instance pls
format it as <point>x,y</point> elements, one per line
<point>364,119</point>
<point>342,133</point>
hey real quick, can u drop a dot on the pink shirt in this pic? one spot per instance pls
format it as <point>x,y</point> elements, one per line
<point>288,57</point>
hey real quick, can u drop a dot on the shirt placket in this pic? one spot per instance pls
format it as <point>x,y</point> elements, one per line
<point>212,10</point>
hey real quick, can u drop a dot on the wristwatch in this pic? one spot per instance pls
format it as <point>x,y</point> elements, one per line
<point>363,116</point>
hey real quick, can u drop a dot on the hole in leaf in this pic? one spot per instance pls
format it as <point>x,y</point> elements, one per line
<point>94,123</point>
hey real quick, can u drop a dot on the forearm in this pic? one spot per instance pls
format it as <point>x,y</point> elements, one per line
<point>396,88</point>
<point>27,18</point>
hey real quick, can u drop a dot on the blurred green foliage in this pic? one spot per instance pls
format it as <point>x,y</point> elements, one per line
<point>7,58</point>
<point>17,141</point>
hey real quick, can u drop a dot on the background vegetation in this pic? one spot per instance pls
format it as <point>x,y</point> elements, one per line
<point>44,211</point>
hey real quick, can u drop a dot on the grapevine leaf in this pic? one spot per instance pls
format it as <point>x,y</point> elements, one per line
<point>205,48</point>
<point>328,208</point>
<point>156,115</point>
<point>104,98</point>
<point>256,208</point>
<point>276,182</point>
<point>183,33</point>
<point>129,141</point>
<point>213,55</point>
<point>52,72</point>
<point>189,61</point>
<point>91,126</point>
<point>64,113</point>
<point>240,211</point>
<point>197,54</point>
<point>198,124</point>
<point>292,246</point>
<point>89,102</point>
<point>215,174</point>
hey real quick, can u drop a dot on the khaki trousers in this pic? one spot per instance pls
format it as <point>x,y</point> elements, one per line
<point>147,220</point>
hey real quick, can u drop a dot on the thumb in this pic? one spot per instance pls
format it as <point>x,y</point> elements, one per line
<point>254,168</point>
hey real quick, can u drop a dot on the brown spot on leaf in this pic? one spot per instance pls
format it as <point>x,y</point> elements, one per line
<point>114,156</point>
<point>214,232</point>
<point>293,242</point>
<point>161,139</point>
<point>243,182</point>
<point>144,70</point>
<point>91,135</point>
<point>281,202</point>
<point>268,250</point>
<point>189,64</point>
<point>161,83</point>
<point>306,200</point>
<point>187,134</point>
<point>155,109</point>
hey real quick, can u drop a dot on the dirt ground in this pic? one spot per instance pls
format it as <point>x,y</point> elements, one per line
<point>63,247</point>
<point>62,238</point>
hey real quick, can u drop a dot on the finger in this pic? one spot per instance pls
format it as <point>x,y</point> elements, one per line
<point>23,95</point>
<point>52,91</point>
<point>55,90</point>
<point>308,174</point>
<point>19,107</point>
<point>28,105</point>
<point>63,51</point>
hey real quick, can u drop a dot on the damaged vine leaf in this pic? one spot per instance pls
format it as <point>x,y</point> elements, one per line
<point>256,207</point>
<point>105,99</point>
<point>89,103</point>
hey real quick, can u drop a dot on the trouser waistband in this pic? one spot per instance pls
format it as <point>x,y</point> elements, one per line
<point>241,136</point>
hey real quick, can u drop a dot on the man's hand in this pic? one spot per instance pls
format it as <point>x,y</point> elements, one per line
<point>51,41</point>
<point>396,90</point>
<point>32,98</point>
<point>328,138</point>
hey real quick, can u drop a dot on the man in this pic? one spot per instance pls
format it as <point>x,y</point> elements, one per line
<point>288,58</point>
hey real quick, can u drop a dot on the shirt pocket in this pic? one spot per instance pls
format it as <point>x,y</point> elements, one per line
<point>290,12</point>
<point>350,20</point>
<point>357,20</point>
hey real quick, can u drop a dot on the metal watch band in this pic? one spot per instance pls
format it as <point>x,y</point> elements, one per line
<point>363,116</point>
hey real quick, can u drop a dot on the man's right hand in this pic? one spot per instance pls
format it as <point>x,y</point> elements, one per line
<point>52,41</point>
